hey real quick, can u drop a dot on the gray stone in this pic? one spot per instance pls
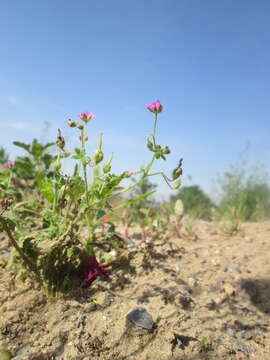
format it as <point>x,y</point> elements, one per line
<point>244,348</point>
<point>246,335</point>
<point>230,332</point>
<point>183,267</point>
<point>140,317</point>
<point>211,304</point>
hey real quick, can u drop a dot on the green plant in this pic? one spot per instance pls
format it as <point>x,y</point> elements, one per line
<point>245,194</point>
<point>37,163</point>
<point>68,209</point>
<point>204,345</point>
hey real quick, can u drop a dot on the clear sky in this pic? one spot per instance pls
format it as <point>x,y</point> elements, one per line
<point>207,61</point>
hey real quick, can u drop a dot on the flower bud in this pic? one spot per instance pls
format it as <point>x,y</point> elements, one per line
<point>150,145</point>
<point>80,126</point>
<point>60,141</point>
<point>98,156</point>
<point>176,173</point>
<point>155,107</point>
<point>71,123</point>
<point>165,150</point>
<point>107,167</point>
<point>83,138</point>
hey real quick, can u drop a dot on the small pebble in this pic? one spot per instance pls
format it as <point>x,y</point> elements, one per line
<point>246,335</point>
<point>246,349</point>
<point>141,317</point>
<point>211,304</point>
<point>192,281</point>
<point>183,267</point>
<point>230,332</point>
<point>234,267</point>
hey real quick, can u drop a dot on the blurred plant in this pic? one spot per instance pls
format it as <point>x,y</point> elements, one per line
<point>37,163</point>
<point>141,211</point>
<point>73,207</point>
<point>4,157</point>
<point>245,193</point>
<point>195,201</point>
<point>8,190</point>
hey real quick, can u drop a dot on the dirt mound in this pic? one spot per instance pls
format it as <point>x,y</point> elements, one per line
<point>209,299</point>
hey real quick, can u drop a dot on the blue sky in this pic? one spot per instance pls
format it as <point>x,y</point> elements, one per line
<point>207,61</point>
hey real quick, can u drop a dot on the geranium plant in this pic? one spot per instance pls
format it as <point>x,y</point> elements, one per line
<point>74,207</point>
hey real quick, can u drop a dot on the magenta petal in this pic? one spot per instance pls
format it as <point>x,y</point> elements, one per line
<point>90,268</point>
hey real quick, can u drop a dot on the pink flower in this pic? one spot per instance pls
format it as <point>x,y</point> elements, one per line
<point>8,164</point>
<point>83,137</point>
<point>155,107</point>
<point>86,116</point>
<point>90,268</point>
<point>129,173</point>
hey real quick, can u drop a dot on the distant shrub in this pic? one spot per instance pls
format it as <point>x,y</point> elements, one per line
<point>245,193</point>
<point>196,202</point>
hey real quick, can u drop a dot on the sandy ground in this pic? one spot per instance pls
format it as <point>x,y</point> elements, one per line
<point>209,299</point>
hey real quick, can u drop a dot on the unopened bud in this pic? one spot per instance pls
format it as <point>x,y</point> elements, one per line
<point>98,156</point>
<point>60,141</point>
<point>150,145</point>
<point>107,167</point>
<point>71,123</point>
<point>176,173</point>
<point>83,138</point>
<point>165,150</point>
<point>80,126</point>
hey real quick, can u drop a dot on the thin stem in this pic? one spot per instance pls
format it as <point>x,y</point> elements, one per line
<point>84,168</point>
<point>155,130</point>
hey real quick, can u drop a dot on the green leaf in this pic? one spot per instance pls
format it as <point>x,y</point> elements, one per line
<point>47,159</point>
<point>24,167</point>
<point>78,151</point>
<point>36,149</point>
<point>89,249</point>
<point>22,145</point>
<point>5,222</point>
<point>46,188</point>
